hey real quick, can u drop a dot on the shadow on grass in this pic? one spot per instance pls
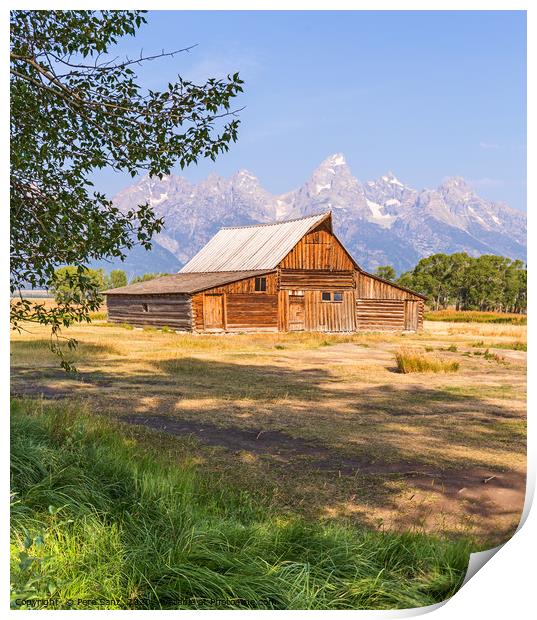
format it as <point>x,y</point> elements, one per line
<point>292,432</point>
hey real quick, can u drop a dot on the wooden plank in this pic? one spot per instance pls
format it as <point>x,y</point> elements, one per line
<point>213,311</point>
<point>368,287</point>
<point>319,249</point>
<point>315,279</point>
<point>380,314</point>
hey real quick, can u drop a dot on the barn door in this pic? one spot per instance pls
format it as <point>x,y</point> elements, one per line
<point>213,311</point>
<point>411,315</point>
<point>296,313</point>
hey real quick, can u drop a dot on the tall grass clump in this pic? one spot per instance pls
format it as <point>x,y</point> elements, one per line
<point>99,315</point>
<point>413,360</point>
<point>101,519</point>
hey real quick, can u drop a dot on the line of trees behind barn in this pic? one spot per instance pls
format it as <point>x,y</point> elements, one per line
<point>485,283</point>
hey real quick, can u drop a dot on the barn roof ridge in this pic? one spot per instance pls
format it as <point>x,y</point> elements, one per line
<point>278,222</point>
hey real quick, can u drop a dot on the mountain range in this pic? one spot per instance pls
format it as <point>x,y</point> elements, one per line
<point>381,222</point>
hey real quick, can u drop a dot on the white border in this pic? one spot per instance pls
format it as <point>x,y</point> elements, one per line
<point>504,586</point>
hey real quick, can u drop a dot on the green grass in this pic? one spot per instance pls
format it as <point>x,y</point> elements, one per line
<point>471,316</point>
<point>518,345</point>
<point>97,513</point>
<point>491,356</point>
<point>412,360</point>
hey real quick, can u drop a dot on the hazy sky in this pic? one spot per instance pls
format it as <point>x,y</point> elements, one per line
<point>424,94</point>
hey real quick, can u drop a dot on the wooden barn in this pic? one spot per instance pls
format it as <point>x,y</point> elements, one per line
<point>286,276</point>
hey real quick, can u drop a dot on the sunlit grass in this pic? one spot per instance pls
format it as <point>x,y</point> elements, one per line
<point>471,316</point>
<point>518,345</point>
<point>98,513</point>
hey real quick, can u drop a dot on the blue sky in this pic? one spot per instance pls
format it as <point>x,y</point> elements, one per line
<point>424,94</point>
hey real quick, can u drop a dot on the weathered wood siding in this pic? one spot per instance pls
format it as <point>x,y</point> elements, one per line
<point>304,310</point>
<point>254,311</point>
<point>380,314</point>
<point>301,279</point>
<point>329,316</point>
<point>389,314</point>
<point>383,306</point>
<point>368,287</point>
<point>197,312</point>
<point>244,308</point>
<point>318,249</point>
<point>248,286</point>
<point>162,310</point>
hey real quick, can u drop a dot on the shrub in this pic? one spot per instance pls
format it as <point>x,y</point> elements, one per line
<point>493,357</point>
<point>412,360</point>
<point>98,316</point>
<point>518,345</point>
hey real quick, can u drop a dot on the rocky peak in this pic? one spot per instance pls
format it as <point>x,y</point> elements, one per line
<point>244,176</point>
<point>457,188</point>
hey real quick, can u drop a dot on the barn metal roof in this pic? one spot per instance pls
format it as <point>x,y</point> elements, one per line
<point>262,246</point>
<point>185,282</point>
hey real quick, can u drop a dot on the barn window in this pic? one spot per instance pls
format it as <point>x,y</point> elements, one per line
<point>326,296</point>
<point>145,308</point>
<point>338,296</point>
<point>261,285</point>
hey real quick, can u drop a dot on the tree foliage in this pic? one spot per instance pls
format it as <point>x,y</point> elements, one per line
<point>386,272</point>
<point>76,109</point>
<point>147,276</point>
<point>487,282</point>
<point>116,279</point>
<point>67,290</point>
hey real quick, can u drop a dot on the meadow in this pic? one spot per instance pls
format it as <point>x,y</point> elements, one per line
<point>264,470</point>
<point>475,316</point>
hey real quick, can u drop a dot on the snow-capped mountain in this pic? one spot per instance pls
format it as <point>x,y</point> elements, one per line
<point>383,221</point>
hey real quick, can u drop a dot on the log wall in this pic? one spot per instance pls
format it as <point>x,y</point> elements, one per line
<point>389,314</point>
<point>301,279</point>
<point>380,314</point>
<point>162,310</point>
<point>383,306</point>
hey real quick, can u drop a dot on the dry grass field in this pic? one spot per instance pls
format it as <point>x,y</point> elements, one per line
<point>322,425</point>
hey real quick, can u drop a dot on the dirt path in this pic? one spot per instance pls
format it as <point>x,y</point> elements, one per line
<point>486,492</point>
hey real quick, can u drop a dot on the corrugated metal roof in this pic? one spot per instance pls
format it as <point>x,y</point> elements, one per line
<point>252,247</point>
<point>185,283</point>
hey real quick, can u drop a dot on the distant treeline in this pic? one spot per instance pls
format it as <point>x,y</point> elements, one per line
<point>65,287</point>
<point>486,283</point>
